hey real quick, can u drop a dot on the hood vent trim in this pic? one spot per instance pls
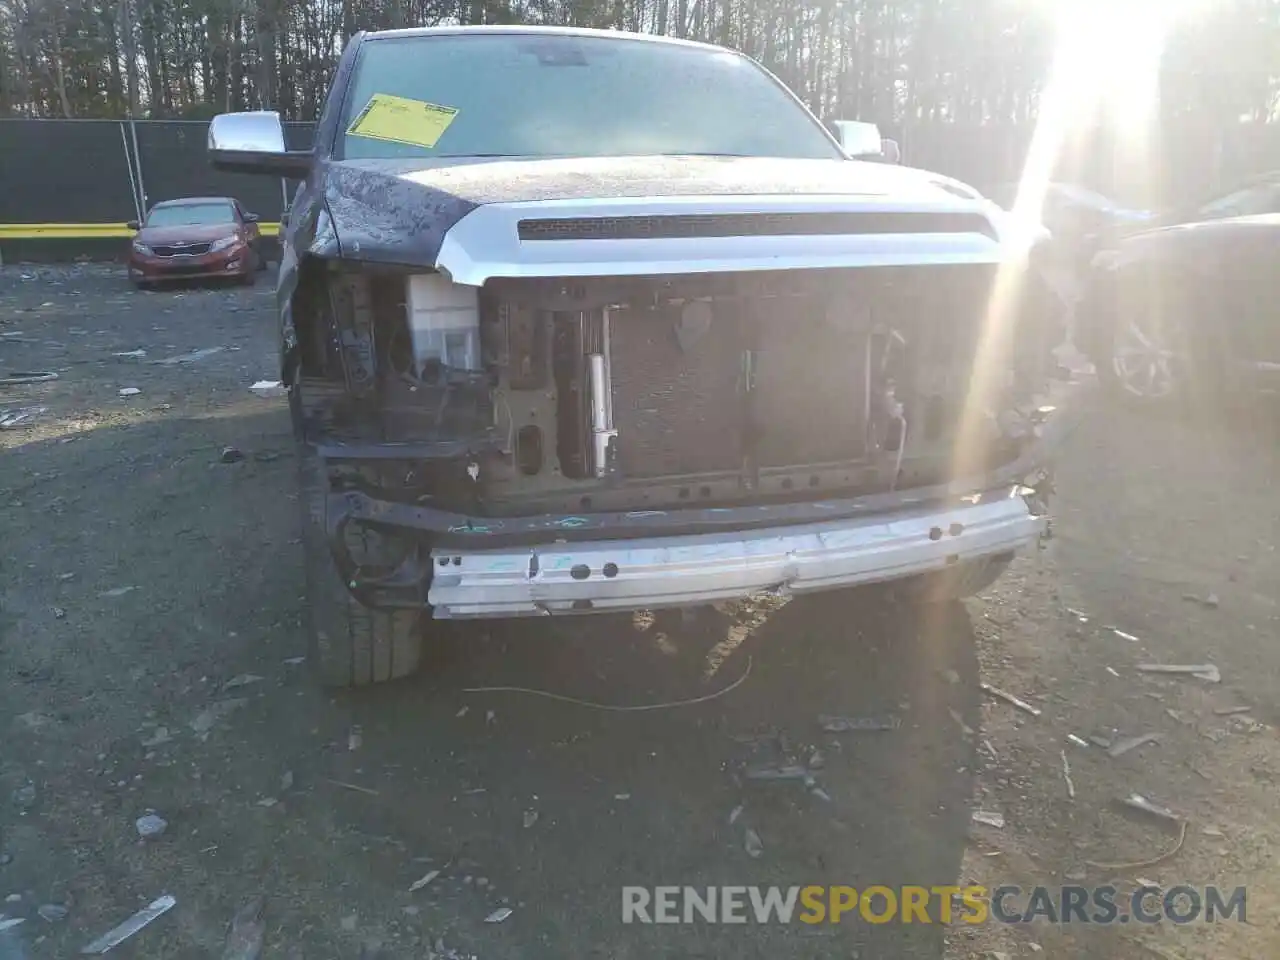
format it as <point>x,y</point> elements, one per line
<point>695,226</point>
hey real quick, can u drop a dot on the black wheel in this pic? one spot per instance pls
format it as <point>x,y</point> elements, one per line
<point>349,644</point>
<point>1154,344</point>
<point>1138,363</point>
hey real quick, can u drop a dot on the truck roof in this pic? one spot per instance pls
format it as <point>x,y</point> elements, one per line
<point>522,30</point>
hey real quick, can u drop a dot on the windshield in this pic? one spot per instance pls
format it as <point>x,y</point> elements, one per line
<point>192,215</point>
<point>522,95</point>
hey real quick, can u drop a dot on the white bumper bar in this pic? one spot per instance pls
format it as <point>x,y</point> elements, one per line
<point>677,571</point>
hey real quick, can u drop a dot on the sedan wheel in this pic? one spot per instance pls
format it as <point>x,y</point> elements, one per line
<point>1141,362</point>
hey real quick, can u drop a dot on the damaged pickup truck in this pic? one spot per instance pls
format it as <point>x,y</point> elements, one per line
<point>576,321</point>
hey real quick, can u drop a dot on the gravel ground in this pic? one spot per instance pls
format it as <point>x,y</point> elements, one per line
<point>149,661</point>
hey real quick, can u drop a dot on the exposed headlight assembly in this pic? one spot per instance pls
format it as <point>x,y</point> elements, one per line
<point>223,244</point>
<point>140,247</point>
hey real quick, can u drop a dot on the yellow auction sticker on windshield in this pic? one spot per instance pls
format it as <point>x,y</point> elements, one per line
<point>401,120</point>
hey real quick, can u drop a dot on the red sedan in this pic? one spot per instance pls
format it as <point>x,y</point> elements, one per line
<point>197,237</point>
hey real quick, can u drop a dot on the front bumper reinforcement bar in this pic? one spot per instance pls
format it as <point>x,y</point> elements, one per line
<point>676,571</point>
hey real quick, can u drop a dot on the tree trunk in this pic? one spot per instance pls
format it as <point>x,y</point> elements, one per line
<point>151,53</point>
<point>265,34</point>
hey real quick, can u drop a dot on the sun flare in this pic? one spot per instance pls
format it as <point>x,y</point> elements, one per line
<point>1106,68</point>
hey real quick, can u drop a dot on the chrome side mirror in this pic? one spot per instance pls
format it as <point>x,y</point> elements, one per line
<point>253,142</point>
<point>858,138</point>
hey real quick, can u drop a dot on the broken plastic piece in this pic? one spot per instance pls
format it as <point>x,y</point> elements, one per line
<point>18,379</point>
<point>1010,698</point>
<point>498,915</point>
<point>151,825</point>
<point>752,843</point>
<point>118,935</point>
<point>191,357</point>
<point>269,388</point>
<point>989,819</point>
<point>1201,671</point>
<point>1230,711</point>
<point>1135,801</point>
<point>1211,600</point>
<point>1125,744</point>
<point>23,415</point>
<point>857,724</point>
<point>423,880</point>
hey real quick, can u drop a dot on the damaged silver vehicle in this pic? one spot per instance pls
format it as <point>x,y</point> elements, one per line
<point>577,321</point>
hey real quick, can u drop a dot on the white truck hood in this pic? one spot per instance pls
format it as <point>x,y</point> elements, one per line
<point>643,216</point>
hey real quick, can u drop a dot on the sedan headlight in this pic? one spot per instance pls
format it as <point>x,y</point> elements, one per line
<point>142,248</point>
<point>223,244</point>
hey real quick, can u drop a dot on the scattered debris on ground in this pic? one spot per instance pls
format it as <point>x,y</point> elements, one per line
<point>151,825</point>
<point>1201,671</point>
<point>20,417</point>
<point>1009,698</point>
<point>269,389</point>
<point>192,357</point>
<point>1120,747</point>
<point>118,935</point>
<point>834,724</point>
<point>1210,600</point>
<point>422,881</point>
<point>21,379</point>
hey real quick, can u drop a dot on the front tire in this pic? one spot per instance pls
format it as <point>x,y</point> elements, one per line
<point>349,644</point>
